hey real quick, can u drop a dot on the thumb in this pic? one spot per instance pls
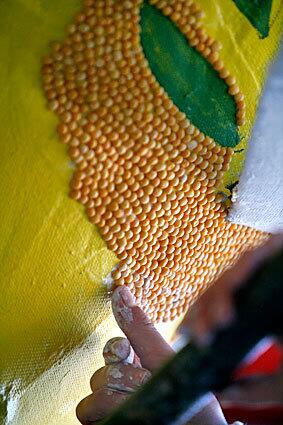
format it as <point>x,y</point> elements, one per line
<point>147,342</point>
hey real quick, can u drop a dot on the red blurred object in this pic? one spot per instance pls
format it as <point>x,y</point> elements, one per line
<point>265,359</point>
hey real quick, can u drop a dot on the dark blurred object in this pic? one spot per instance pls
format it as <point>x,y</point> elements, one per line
<point>196,370</point>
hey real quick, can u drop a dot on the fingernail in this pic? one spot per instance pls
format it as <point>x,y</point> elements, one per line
<point>126,296</point>
<point>122,303</point>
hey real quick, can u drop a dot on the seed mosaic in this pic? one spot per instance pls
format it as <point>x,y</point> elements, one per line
<point>147,176</point>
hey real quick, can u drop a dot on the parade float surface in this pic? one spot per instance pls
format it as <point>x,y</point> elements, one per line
<point>54,261</point>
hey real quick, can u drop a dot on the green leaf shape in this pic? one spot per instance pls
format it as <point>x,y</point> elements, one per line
<point>257,12</point>
<point>189,80</point>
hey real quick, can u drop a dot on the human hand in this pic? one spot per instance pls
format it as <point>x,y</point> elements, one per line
<point>129,361</point>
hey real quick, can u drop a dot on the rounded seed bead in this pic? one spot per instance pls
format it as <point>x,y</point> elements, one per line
<point>233,89</point>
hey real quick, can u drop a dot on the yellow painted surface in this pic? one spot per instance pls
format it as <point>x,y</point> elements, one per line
<point>52,258</point>
<point>54,313</point>
<point>246,56</point>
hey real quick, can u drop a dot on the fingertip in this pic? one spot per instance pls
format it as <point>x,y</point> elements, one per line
<point>122,303</point>
<point>124,295</point>
<point>118,350</point>
<point>146,341</point>
<point>83,410</point>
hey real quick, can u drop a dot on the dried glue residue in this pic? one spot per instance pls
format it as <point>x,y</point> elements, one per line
<point>120,310</point>
<point>116,350</point>
<point>108,281</point>
<point>235,194</point>
<point>114,372</point>
<point>130,358</point>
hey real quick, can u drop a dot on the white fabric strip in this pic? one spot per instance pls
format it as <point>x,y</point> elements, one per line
<point>258,198</point>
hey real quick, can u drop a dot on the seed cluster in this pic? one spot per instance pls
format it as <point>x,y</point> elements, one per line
<point>146,175</point>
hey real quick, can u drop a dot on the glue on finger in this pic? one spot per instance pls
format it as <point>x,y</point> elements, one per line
<point>118,350</point>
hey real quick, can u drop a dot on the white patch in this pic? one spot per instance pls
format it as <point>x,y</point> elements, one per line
<point>184,178</point>
<point>121,311</point>
<point>120,348</point>
<point>108,281</point>
<point>196,408</point>
<point>166,291</point>
<point>234,194</point>
<point>115,372</point>
<point>192,144</point>
<point>122,388</point>
<point>71,165</point>
<point>11,395</point>
<point>67,407</point>
<point>130,358</point>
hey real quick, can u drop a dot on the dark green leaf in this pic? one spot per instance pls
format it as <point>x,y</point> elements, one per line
<point>257,12</point>
<point>189,80</point>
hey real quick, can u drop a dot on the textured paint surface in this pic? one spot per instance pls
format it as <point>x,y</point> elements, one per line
<point>54,314</point>
<point>187,77</point>
<point>257,12</point>
<point>52,260</point>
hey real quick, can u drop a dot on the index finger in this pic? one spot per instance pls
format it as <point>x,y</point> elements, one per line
<point>147,342</point>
